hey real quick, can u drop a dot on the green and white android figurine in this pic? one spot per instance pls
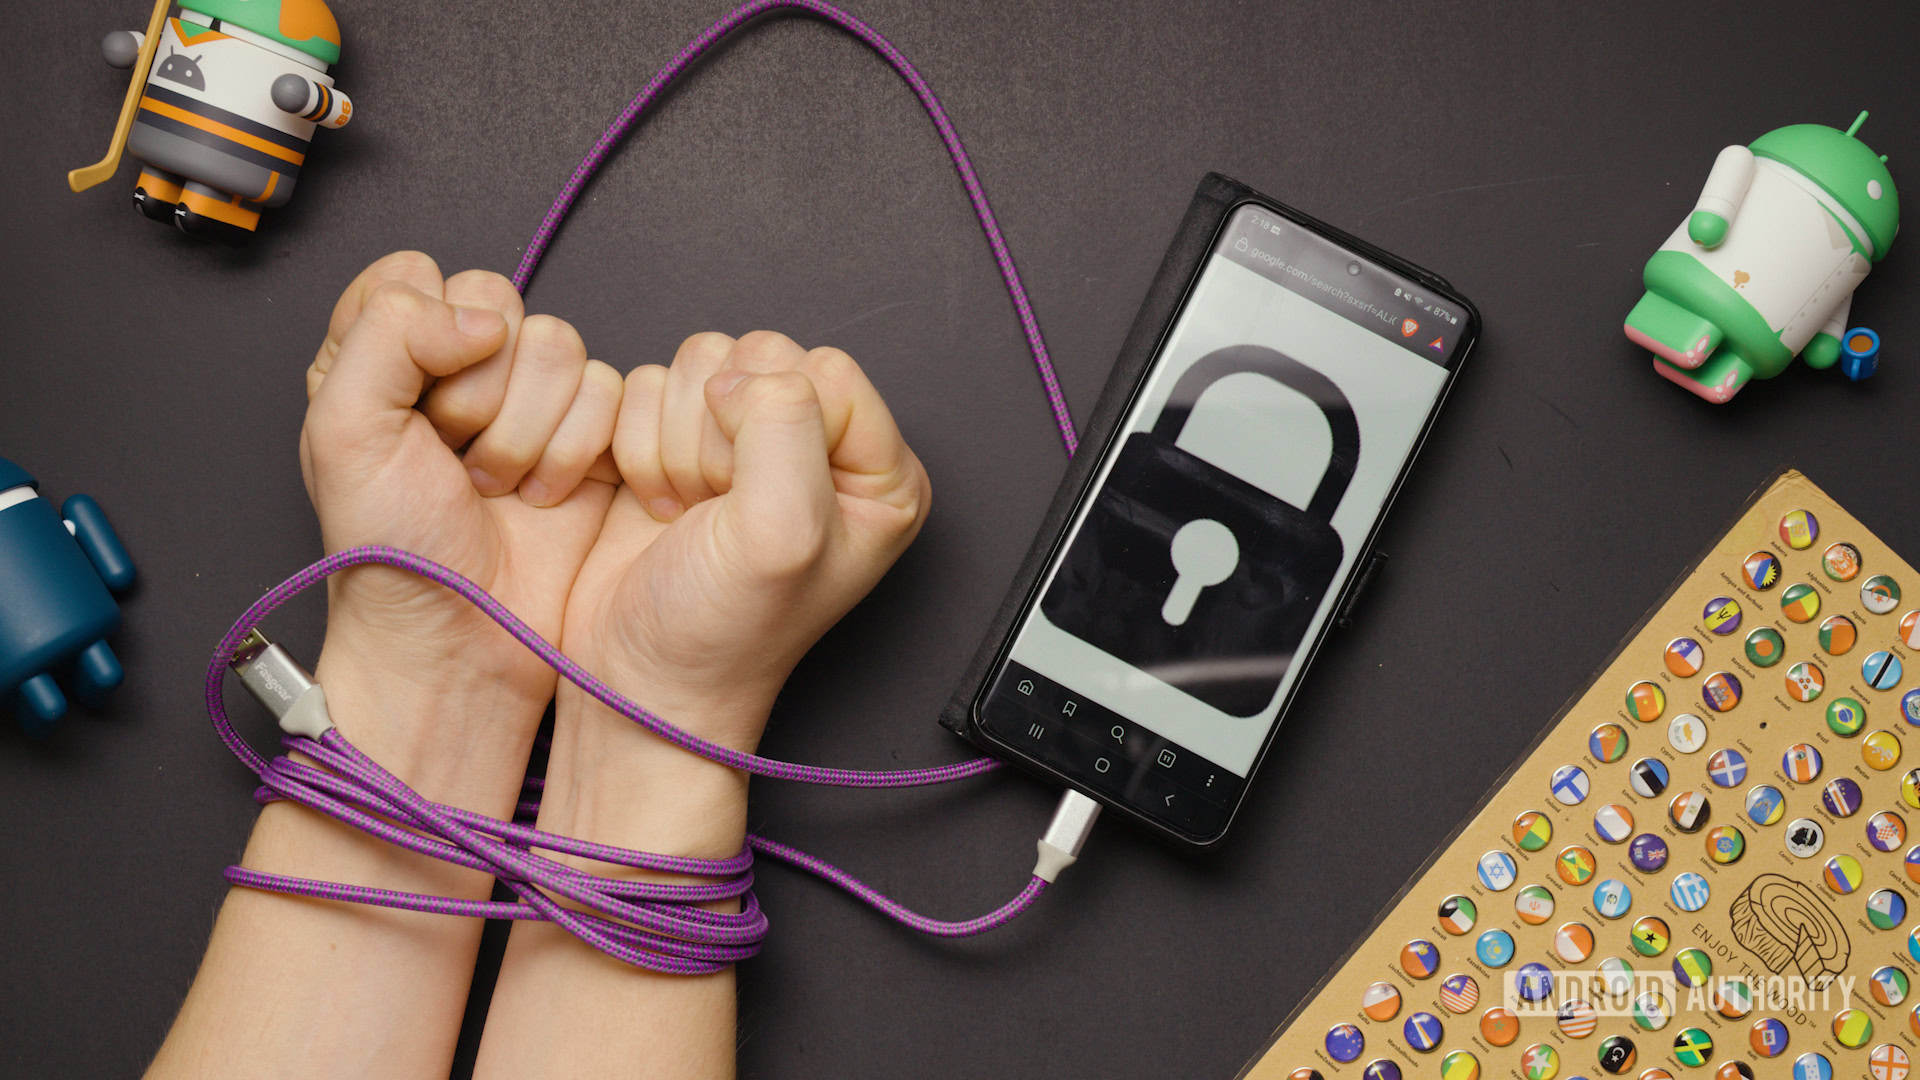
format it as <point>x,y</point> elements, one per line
<point>225,99</point>
<point>1765,267</point>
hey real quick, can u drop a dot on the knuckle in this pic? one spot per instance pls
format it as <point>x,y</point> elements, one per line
<point>547,336</point>
<point>408,264</point>
<point>832,365</point>
<point>460,408</point>
<point>601,381</point>
<point>395,303</point>
<point>486,287</point>
<point>647,378</point>
<point>788,390</point>
<point>763,350</point>
<point>708,346</point>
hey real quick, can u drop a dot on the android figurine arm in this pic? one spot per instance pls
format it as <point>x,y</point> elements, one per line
<point>91,530</point>
<point>1720,198</point>
<point>122,47</point>
<point>297,95</point>
<point>1824,350</point>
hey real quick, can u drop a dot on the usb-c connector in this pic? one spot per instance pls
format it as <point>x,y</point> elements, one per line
<point>277,680</point>
<point>1066,835</point>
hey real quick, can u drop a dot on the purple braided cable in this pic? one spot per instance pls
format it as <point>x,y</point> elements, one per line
<point>665,77</point>
<point>647,924</point>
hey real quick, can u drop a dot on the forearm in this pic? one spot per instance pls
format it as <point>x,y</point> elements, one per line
<point>562,1008</point>
<point>298,987</point>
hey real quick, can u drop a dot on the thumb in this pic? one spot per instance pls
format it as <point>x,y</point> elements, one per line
<point>403,339</point>
<point>782,505</point>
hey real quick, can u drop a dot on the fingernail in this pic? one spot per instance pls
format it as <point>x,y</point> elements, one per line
<point>477,322</point>
<point>483,481</point>
<point>724,383</point>
<point>664,508</point>
<point>535,491</point>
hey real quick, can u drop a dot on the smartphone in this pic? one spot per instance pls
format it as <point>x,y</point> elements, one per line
<point>1222,506</point>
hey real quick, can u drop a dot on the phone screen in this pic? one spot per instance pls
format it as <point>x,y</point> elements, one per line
<point>1239,494</point>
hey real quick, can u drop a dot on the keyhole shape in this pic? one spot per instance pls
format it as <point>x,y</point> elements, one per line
<point>1204,553</point>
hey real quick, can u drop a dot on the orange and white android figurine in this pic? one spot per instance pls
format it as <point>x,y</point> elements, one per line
<point>234,90</point>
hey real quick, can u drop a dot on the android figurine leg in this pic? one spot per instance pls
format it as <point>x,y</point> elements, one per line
<point>1703,334</point>
<point>1717,380</point>
<point>156,193</point>
<point>213,214</point>
<point>1670,331</point>
<point>40,704</point>
<point>96,675</point>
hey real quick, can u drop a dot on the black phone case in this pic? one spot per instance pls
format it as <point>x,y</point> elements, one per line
<point>1215,198</point>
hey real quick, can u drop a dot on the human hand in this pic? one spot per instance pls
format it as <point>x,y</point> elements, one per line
<point>444,421</point>
<point>766,490</point>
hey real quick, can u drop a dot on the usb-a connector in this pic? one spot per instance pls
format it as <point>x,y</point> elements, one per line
<point>277,680</point>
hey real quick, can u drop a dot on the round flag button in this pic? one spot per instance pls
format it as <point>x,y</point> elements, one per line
<point>1769,1037</point>
<point>1805,681</point>
<point>1761,571</point>
<point>1577,1019</point>
<point>1910,788</point>
<point>1804,837</point>
<point>1913,950</point>
<point>1765,804</point>
<point>1616,1055</point>
<point>1607,743</point>
<point>1689,892</point>
<point>1494,949</point>
<point>1381,1001</point>
<point>1650,936</point>
<point>1799,529</point>
<point>1910,629</point>
<point>1613,823</point>
<point>1910,707</point>
<point>1649,777</point>
<point>1888,985</point>
<point>1575,865</point>
<point>1841,797</point>
<point>1540,1062</point>
<point>1881,670</point>
<point>1846,716</point>
<point>1457,914</point>
<point>1420,958</point>
<point>1423,1031</point>
<point>1692,1047</point>
<point>1886,909</point>
<point>1688,811</point>
<point>1732,998</point>
<point>1843,874</point>
<point>1305,1074</point>
<point>1841,562</point>
<point>1616,976</point>
<point>1345,1043</point>
<point>1692,967</point>
<point>1685,656</point>
<point>1914,1019</point>
<point>1801,763</point>
<point>1459,994</point>
<point>1652,1011</point>
<point>1888,1062</point>
<point>1532,830</point>
<point>1646,701</point>
<point>1812,1066</point>
<point>1886,831</point>
<point>1499,1027</point>
<point>1686,733</point>
<point>1612,898</point>
<point>1380,1069</point>
<point>1725,844</point>
<point>1721,691</point>
<point>1573,942</point>
<point>1534,904</point>
<point>1765,647</point>
<point>1722,615</point>
<point>1727,768</point>
<point>1733,1070</point>
<point>1570,785</point>
<point>1880,594</point>
<point>1880,750</point>
<point>1800,603</point>
<point>1838,635</point>
<point>1648,852</point>
<point>1460,1065</point>
<point>1496,870</point>
<point>1852,1028</point>
<point>1533,982</point>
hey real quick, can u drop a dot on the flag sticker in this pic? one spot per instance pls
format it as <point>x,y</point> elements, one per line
<point>1838,635</point>
<point>1800,603</point>
<point>1761,570</point>
<point>1381,1001</point>
<point>1457,914</point>
<point>1685,657</point>
<point>1799,529</point>
<point>1608,743</point>
<point>1534,905</point>
<point>1459,994</point>
<point>1614,823</point>
<point>1765,647</point>
<point>1727,768</point>
<point>1722,615</point>
<point>1841,562</point>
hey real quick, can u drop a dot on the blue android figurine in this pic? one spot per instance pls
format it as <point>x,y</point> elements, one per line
<point>58,576</point>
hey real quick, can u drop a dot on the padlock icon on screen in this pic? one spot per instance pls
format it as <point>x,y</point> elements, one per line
<point>1195,575</point>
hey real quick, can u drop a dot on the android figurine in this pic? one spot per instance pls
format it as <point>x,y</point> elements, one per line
<point>1765,266</point>
<point>58,576</point>
<point>234,90</point>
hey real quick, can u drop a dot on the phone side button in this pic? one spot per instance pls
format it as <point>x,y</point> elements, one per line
<point>1376,560</point>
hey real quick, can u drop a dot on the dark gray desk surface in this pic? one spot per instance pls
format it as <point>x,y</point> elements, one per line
<point>1534,154</point>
